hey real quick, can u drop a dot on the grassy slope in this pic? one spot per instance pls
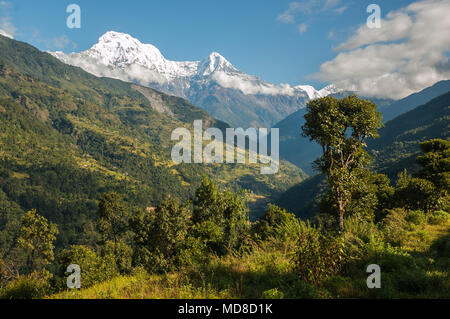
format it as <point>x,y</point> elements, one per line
<point>268,268</point>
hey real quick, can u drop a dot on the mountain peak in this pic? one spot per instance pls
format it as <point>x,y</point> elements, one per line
<point>119,38</point>
<point>114,34</point>
<point>120,49</point>
<point>213,63</point>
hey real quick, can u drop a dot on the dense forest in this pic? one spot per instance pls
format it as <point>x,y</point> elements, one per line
<point>86,179</point>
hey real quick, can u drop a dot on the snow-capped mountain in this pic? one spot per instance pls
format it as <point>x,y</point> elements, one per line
<point>213,83</point>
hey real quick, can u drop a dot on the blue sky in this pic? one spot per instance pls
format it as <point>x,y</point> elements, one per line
<point>253,35</point>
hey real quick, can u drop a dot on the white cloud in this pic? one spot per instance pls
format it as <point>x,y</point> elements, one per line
<point>7,28</point>
<point>408,53</point>
<point>132,73</point>
<point>308,7</point>
<point>302,27</point>
<point>340,10</point>
<point>251,87</point>
<point>61,42</point>
<point>288,15</point>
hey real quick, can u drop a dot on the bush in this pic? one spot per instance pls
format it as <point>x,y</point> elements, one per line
<point>360,230</point>
<point>121,253</point>
<point>416,217</point>
<point>34,286</point>
<point>159,235</point>
<point>210,234</point>
<point>94,269</point>
<point>415,193</point>
<point>318,255</point>
<point>395,226</point>
<point>193,253</point>
<point>272,294</point>
<point>438,217</point>
<point>273,221</point>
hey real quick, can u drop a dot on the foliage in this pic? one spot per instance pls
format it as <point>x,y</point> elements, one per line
<point>272,294</point>
<point>273,222</point>
<point>220,217</point>
<point>121,253</point>
<point>112,217</point>
<point>33,286</point>
<point>438,217</point>
<point>416,217</point>
<point>414,193</point>
<point>435,163</point>
<point>94,268</point>
<point>36,237</point>
<point>159,235</point>
<point>371,195</point>
<point>318,255</point>
<point>341,128</point>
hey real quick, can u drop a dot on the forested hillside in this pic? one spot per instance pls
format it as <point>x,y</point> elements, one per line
<point>398,144</point>
<point>67,136</point>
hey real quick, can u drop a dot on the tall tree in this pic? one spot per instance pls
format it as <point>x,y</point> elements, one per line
<point>159,234</point>
<point>341,127</point>
<point>220,217</point>
<point>112,215</point>
<point>36,237</point>
<point>435,164</point>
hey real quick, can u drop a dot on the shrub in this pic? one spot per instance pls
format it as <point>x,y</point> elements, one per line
<point>224,209</point>
<point>34,286</point>
<point>273,221</point>
<point>193,253</point>
<point>159,235</point>
<point>415,193</point>
<point>94,269</point>
<point>360,230</point>
<point>416,217</point>
<point>272,294</point>
<point>318,255</point>
<point>210,234</point>
<point>395,226</point>
<point>438,217</point>
<point>121,253</point>
<point>301,290</point>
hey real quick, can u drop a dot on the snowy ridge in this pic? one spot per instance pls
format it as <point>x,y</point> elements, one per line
<point>121,56</point>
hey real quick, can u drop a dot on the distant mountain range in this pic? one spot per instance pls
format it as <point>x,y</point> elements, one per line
<point>398,144</point>
<point>213,83</point>
<point>412,101</point>
<point>301,152</point>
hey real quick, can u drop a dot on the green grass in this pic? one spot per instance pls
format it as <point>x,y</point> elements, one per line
<point>267,270</point>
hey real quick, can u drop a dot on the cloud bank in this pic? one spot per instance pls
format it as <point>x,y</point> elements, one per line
<point>407,54</point>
